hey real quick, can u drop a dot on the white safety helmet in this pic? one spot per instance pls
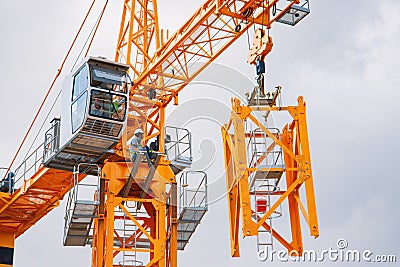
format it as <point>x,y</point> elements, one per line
<point>138,131</point>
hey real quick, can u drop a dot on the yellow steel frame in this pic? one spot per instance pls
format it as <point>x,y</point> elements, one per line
<point>167,64</point>
<point>36,197</point>
<point>164,64</point>
<point>153,227</point>
<point>294,142</point>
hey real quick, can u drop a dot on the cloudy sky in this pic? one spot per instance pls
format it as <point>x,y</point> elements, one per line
<point>343,58</point>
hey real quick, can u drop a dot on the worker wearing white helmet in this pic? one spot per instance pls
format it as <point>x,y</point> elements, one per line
<point>136,143</point>
<point>138,131</point>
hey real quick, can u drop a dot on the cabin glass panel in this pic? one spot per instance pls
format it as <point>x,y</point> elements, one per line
<point>80,82</point>
<point>107,105</point>
<point>109,79</point>
<point>78,112</point>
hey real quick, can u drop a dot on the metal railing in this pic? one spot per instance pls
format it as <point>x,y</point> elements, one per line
<point>51,140</point>
<point>29,166</point>
<point>262,150</point>
<point>83,193</point>
<point>178,145</point>
<point>193,190</point>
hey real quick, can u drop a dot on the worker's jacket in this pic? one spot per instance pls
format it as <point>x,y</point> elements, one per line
<point>136,145</point>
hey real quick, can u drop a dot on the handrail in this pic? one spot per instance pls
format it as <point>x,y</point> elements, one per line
<point>51,140</point>
<point>193,192</point>
<point>26,169</point>
<point>267,152</point>
<point>38,155</point>
<point>77,184</point>
<point>74,193</point>
<point>177,141</point>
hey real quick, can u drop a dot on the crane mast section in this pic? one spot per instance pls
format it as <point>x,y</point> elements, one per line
<point>257,158</point>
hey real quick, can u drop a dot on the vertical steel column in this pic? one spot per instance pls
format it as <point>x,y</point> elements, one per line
<point>173,250</point>
<point>6,249</point>
<point>232,193</point>
<point>241,172</point>
<point>309,183</point>
<point>294,216</point>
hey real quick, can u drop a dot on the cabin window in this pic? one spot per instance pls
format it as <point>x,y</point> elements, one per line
<point>109,79</point>
<point>80,82</point>
<point>78,111</point>
<point>107,105</point>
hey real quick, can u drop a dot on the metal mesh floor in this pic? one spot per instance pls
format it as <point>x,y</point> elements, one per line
<point>294,15</point>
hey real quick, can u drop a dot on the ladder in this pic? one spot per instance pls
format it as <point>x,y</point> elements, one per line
<point>132,244</point>
<point>130,240</point>
<point>265,156</point>
<point>267,159</point>
<point>81,208</point>
<point>262,200</point>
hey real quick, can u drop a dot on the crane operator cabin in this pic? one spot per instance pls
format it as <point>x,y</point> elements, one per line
<point>94,111</point>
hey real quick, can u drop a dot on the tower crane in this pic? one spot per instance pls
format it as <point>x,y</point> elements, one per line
<point>145,203</point>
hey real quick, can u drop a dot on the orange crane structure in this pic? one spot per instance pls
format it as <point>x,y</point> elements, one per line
<point>141,209</point>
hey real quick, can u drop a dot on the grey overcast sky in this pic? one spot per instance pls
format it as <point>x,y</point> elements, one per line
<point>343,58</point>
